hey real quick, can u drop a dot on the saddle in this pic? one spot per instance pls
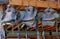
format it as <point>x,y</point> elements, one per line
<point>49,17</point>
<point>29,18</point>
<point>11,17</point>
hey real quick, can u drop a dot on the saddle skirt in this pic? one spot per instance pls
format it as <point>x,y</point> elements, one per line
<point>49,16</point>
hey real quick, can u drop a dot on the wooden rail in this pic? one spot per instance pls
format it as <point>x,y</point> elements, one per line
<point>34,37</point>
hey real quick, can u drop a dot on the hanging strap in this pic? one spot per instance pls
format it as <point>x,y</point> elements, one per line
<point>58,3</point>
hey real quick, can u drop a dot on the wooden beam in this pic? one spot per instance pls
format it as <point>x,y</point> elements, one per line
<point>34,3</point>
